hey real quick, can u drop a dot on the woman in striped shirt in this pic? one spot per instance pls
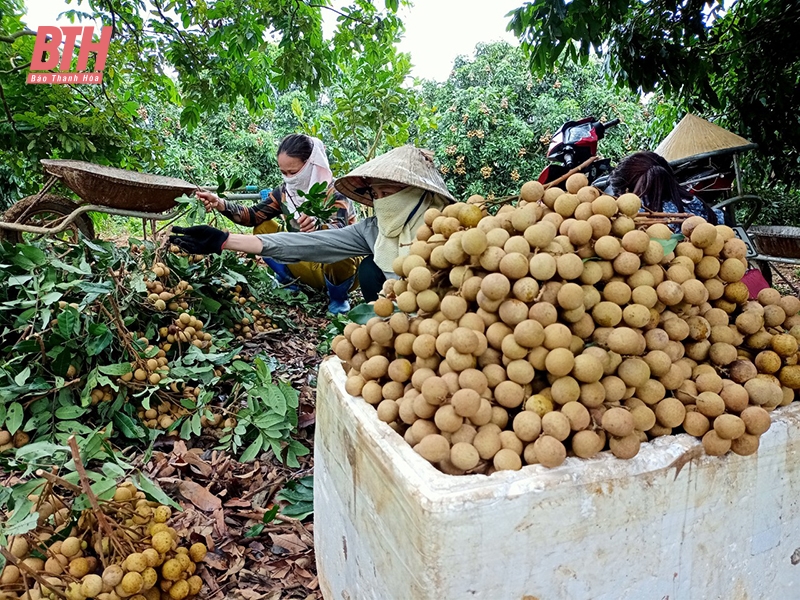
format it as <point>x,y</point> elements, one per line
<point>303,163</point>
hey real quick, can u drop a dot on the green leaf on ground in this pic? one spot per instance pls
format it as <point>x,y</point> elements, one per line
<point>299,495</point>
<point>361,314</point>
<point>150,489</point>
<point>670,244</point>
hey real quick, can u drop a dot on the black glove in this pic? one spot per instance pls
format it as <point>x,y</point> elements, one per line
<point>200,239</point>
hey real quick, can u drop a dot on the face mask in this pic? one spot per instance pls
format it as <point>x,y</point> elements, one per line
<point>299,181</point>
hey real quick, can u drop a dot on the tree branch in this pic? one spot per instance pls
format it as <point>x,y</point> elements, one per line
<point>15,69</point>
<point>85,97</point>
<point>8,110</point>
<point>375,143</point>
<point>10,39</point>
<point>178,31</point>
<point>338,12</point>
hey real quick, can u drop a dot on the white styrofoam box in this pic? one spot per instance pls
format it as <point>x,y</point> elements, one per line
<point>388,525</point>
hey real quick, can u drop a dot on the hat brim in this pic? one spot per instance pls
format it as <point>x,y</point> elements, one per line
<point>406,165</point>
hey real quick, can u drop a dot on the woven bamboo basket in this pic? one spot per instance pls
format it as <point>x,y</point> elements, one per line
<point>119,188</point>
<point>777,240</point>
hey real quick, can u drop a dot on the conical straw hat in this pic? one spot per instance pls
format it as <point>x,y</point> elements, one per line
<point>695,138</point>
<point>407,164</point>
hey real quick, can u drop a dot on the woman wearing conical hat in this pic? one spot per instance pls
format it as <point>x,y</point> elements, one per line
<point>400,185</point>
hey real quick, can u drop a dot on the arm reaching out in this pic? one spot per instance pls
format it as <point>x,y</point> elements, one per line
<point>327,246</point>
<point>203,239</point>
<point>248,244</point>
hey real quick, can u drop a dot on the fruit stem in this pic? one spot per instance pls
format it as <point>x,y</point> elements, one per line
<point>571,172</point>
<point>56,480</point>
<point>28,571</point>
<point>87,489</point>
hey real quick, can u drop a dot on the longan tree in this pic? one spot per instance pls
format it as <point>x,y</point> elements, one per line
<point>732,60</point>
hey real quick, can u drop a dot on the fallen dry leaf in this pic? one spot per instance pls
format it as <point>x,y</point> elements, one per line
<point>252,595</point>
<point>199,496</point>
<point>237,503</point>
<point>289,541</point>
<point>198,464</point>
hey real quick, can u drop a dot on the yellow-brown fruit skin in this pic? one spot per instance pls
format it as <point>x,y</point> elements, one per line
<point>132,583</point>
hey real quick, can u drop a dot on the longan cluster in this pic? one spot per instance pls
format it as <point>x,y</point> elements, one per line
<point>192,258</point>
<point>186,329</point>
<point>162,415</point>
<point>161,296</point>
<point>153,369</point>
<point>8,441</point>
<point>568,325</point>
<point>103,393</point>
<point>256,322</point>
<point>154,566</point>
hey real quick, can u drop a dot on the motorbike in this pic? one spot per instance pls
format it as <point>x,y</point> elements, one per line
<point>574,145</point>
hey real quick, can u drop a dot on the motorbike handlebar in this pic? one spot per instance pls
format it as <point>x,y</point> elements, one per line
<point>601,128</point>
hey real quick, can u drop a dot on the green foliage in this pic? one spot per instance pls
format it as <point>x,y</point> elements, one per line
<point>227,144</point>
<point>222,53</point>
<point>74,323</point>
<point>299,495</point>
<point>268,518</point>
<point>191,58</point>
<point>706,56</point>
<point>94,448</point>
<point>269,417</point>
<point>368,107</point>
<point>317,203</point>
<point>62,121</point>
<point>781,206</point>
<point>46,344</point>
<point>495,119</point>
<point>361,314</point>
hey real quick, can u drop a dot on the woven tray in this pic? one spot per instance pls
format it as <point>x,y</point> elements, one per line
<point>119,188</point>
<point>777,240</point>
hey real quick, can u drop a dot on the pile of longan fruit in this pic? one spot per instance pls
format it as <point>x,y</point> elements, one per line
<point>567,325</point>
<point>144,563</point>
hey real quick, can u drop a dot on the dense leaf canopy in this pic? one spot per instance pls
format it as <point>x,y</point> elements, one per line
<point>495,120</point>
<point>198,56</point>
<point>734,61</point>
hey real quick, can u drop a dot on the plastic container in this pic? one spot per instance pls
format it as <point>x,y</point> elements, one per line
<point>388,525</point>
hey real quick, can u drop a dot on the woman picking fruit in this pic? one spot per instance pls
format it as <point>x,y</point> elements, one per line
<point>303,163</point>
<point>400,185</point>
<point>650,177</point>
